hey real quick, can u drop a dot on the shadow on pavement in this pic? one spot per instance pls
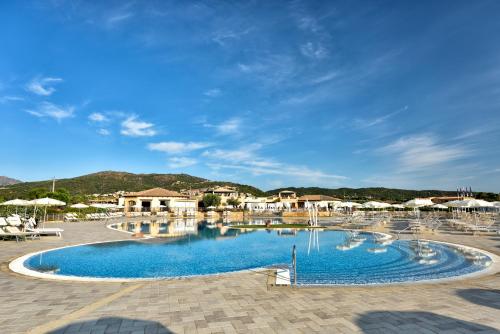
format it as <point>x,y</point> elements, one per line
<point>113,325</point>
<point>416,322</point>
<point>484,297</point>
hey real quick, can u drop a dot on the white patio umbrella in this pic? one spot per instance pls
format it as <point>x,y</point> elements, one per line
<point>418,203</point>
<point>376,205</point>
<point>476,203</point>
<point>439,206</point>
<point>79,206</point>
<point>16,202</point>
<point>349,204</point>
<point>454,204</point>
<point>398,206</point>
<point>45,202</point>
<point>469,203</point>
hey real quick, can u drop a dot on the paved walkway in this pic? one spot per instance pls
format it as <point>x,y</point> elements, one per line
<point>239,303</point>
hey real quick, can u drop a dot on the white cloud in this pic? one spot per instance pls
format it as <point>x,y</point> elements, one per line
<point>116,18</point>
<point>423,151</point>
<point>103,132</point>
<point>221,37</point>
<point>181,162</point>
<point>308,23</point>
<point>244,154</point>
<point>325,77</point>
<point>47,109</point>
<point>247,159</point>
<point>231,126</point>
<point>8,98</point>
<point>119,15</point>
<point>214,92</point>
<point>173,147</point>
<point>97,117</point>
<point>135,128</point>
<point>367,123</point>
<point>43,86</point>
<point>314,50</point>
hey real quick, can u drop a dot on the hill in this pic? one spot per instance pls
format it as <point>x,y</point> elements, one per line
<point>383,194</point>
<point>111,181</point>
<point>6,181</point>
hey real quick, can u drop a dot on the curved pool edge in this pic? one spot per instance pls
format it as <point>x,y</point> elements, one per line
<point>17,266</point>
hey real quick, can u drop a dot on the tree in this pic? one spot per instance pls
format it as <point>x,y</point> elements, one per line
<point>233,201</point>
<point>37,193</point>
<point>60,194</point>
<point>211,200</point>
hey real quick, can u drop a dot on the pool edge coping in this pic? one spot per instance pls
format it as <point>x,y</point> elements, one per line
<point>17,266</point>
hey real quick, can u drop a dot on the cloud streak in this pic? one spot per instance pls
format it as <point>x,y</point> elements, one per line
<point>50,110</point>
<point>43,86</point>
<point>181,162</point>
<point>174,147</point>
<point>133,127</point>
<point>422,152</point>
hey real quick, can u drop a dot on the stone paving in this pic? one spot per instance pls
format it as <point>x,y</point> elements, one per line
<point>239,303</point>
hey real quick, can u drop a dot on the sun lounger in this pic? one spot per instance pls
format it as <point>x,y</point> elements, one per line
<point>70,217</point>
<point>46,231</point>
<point>13,231</point>
<point>14,220</point>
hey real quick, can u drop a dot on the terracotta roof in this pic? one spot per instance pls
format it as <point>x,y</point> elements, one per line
<point>317,198</point>
<point>156,192</point>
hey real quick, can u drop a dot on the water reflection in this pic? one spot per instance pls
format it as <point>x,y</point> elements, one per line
<point>208,229</point>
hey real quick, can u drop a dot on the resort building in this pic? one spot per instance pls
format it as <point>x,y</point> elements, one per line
<point>159,199</point>
<point>289,199</point>
<point>321,201</point>
<point>225,193</point>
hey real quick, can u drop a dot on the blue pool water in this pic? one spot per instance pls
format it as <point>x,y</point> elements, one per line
<point>323,257</point>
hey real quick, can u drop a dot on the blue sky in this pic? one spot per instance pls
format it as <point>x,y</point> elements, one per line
<point>269,93</point>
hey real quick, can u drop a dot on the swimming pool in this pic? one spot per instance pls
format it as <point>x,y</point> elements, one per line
<point>323,257</point>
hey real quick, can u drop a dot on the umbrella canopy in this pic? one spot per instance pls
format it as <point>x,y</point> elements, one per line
<point>398,206</point>
<point>349,204</point>
<point>17,202</point>
<point>439,206</point>
<point>470,203</point>
<point>79,206</point>
<point>476,203</point>
<point>418,202</point>
<point>454,204</point>
<point>496,204</point>
<point>376,205</point>
<point>47,201</point>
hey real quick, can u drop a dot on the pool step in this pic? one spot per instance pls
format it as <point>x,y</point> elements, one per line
<point>282,277</point>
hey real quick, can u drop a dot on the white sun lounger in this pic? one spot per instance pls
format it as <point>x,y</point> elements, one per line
<point>47,231</point>
<point>15,232</point>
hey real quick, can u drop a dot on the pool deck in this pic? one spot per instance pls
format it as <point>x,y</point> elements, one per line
<point>241,302</point>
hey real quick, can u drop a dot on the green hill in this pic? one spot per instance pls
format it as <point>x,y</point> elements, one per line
<point>110,181</point>
<point>384,194</point>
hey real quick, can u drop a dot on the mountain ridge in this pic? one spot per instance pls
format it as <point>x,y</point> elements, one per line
<point>112,181</point>
<point>7,181</point>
